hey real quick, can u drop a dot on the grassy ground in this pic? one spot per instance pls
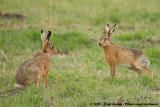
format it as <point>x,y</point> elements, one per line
<point>78,77</point>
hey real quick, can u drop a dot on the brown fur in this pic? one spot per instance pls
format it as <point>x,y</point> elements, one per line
<point>130,58</point>
<point>31,70</point>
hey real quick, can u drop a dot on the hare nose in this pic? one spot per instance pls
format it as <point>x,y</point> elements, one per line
<point>100,44</point>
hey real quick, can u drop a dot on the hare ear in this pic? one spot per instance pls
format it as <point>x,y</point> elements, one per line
<point>106,29</point>
<point>111,30</point>
<point>48,36</point>
<point>43,37</point>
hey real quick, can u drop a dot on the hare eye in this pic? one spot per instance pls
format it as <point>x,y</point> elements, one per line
<point>105,38</point>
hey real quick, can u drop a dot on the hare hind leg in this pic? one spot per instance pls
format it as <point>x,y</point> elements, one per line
<point>150,73</point>
<point>141,64</point>
<point>136,70</point>
<point>144,69</point>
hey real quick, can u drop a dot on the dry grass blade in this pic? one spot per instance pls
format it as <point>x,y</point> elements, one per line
<point>4,55</point>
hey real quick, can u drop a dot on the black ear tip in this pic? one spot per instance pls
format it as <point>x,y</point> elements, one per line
<point>41,31</point>
<point>115,24</point>
<point>49,32</point>
<point>108,25</point>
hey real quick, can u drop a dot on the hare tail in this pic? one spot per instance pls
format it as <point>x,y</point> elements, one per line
<point>18,86</point>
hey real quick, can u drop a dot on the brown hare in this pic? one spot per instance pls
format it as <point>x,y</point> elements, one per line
<point>31,70</point>
<point>130,58</point>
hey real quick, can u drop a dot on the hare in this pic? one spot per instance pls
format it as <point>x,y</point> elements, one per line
<point>130,58</point>
<point>31,70</point>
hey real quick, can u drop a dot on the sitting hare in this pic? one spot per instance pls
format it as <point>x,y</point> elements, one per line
<point>130,58</point>
<point>31,70</point>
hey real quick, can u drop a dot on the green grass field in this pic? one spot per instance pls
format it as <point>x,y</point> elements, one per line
<point>79,75</point>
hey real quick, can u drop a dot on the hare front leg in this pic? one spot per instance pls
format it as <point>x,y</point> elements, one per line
<point>45,80</point>
<point>39,80</point>
<point>112,70</point>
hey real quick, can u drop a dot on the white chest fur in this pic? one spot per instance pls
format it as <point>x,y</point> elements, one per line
<point>124,65</point>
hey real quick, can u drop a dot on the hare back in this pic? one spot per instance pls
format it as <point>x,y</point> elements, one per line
<point>128,56</point>
<point>122,56</point>
<point>30,70</point>
<point>27,73</point>
<point>38,63</point>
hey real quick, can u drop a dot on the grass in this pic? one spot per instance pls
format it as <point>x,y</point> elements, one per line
<point>130,37</point>
<point>81,77</point>
<point>65,41</point>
